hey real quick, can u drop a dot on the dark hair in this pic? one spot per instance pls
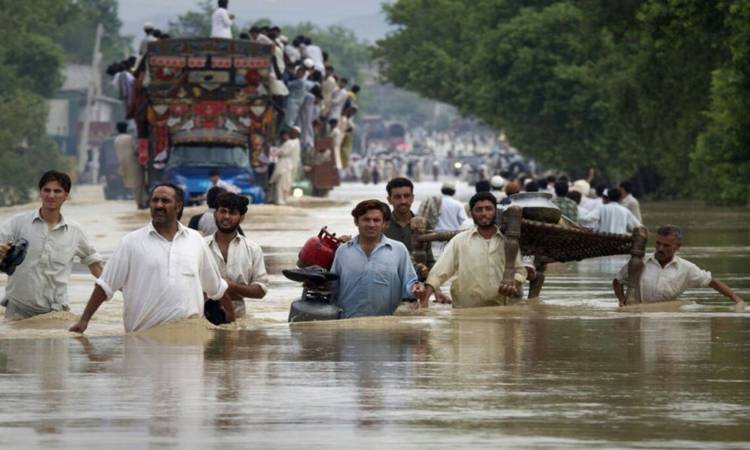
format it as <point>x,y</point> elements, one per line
<point>178,192</point>
<point>212,195</point>
<point>307,41</point>
<point>122,127</point>
<point>670,230</point>
<point>627,186</point>
<point>367,205</point>
<point>275,28</point>
<point>254,29</point>
<point>355,88</point>
<point>214,173</point>
<point>483,186</point>
<point>614,194</point>
<point>333,122</point>
<point>244,36</point>
<point>482,196</point>
<point>344,80</point>
<point>551,179</point>
<point>448,191</point>
<point>575,196</point>
<point>232,202</point>
<point>561,188</point>
<point>131,61</point>
<point>53,175</point>
<point>599,188</point>
<point>223,3</point>
<point>399,182</point>
<point>531,186</point>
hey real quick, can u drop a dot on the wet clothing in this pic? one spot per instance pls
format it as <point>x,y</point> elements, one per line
<point>613,218</point>
<point>568,207</point>
<point>244,265</point>
<point>161,280</point>
<point>374,285</point>
<point>207,223</point>
<point>631,204</point>
<point>661,284</point>
<point>40,284</point>
<point>221,24</point>
<point>403,234</point>
<point>478,265</point>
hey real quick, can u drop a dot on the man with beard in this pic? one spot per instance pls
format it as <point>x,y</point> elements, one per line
<point>375,272</point>
<point>477,258</point>
<point>163,269</point>
<point>666,276</point>
<point>240,260</point>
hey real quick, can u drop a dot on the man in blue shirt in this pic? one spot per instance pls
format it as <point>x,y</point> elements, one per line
<point>375,272</point>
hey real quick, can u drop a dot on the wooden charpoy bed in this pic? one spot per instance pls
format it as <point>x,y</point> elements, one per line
<point>548,243</point>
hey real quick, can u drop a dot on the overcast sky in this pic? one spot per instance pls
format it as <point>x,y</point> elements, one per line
<point>322,12</point>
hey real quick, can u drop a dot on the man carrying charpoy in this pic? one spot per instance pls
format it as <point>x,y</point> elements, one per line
<point>476,258</point>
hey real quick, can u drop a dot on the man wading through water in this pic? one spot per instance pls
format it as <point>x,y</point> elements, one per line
<point>375,272</point>
<point>40,284</point>
<point>477,258</point>
<point>239,259</point>
<point>163,269</point>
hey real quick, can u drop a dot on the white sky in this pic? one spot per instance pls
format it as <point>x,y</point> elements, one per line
<point>322,12</point>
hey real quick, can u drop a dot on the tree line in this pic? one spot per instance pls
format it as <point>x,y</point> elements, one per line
<point>39,37</point>
<point>651,90</point>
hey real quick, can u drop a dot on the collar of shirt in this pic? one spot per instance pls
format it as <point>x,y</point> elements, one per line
<point>394,222</point>
<point>60,224</point>
<point>475,230</point>
<point>384,242</point>
<point>181,229</point>
<point>211,239</point>
<point>674,262</point>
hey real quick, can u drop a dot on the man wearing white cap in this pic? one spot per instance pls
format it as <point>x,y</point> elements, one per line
<point>587,204</point>
<point>497,183</point>
<point>148,28</point>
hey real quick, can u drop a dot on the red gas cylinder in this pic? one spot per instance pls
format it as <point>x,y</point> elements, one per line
<point>319,250</point>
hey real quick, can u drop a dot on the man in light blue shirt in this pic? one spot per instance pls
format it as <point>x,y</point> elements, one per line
<point>375,272</point>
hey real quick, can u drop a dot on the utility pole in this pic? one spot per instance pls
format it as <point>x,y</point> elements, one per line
<point>93,91</point>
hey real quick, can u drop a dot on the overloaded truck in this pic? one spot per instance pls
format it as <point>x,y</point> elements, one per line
<point>202,104</point>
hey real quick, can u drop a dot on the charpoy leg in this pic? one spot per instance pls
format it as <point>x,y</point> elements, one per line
<point>635,266</point>
<point>512,219</point>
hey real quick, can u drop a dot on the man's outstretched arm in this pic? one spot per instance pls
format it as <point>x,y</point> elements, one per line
<point>95,301</point>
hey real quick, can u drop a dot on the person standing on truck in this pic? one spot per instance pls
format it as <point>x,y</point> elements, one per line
<point>221,21</point>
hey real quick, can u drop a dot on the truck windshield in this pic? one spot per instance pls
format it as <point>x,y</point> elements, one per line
<point>212,156</point>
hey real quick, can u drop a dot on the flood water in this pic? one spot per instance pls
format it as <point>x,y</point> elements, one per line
<point>570,372</point>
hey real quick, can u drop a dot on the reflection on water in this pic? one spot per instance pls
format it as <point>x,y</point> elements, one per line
<point>494,381</point>
<point>572,372</point>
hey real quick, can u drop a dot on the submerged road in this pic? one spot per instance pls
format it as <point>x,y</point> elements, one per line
<point>570,372</point>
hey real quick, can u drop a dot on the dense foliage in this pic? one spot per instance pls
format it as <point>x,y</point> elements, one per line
<point>651,89</point>
<point>38,37</point>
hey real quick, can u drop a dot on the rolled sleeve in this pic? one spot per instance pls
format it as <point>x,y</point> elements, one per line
<point>86,252</point>
<point>211,281</point>
<point>115,272</point>
<point>698,277</point>
<point>259,276</point>
<point>444,267</point>
<point>407,273</point>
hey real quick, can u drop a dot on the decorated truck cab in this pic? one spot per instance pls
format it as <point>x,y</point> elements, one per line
<point>202,104</point>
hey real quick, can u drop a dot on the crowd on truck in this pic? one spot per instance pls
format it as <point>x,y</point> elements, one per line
<point>312,107</point>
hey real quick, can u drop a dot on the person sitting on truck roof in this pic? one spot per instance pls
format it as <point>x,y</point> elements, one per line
<point>259,38</point>
<point>221,21</point>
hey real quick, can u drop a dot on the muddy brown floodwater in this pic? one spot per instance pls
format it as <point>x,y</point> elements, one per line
<point>570,372</point>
